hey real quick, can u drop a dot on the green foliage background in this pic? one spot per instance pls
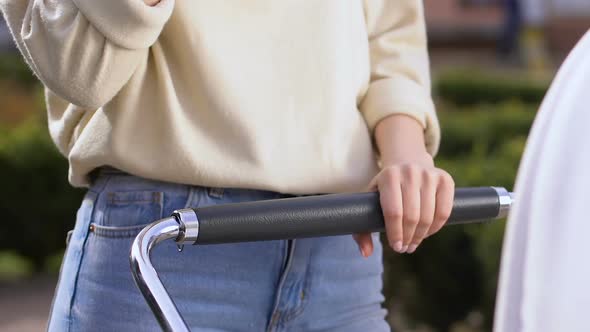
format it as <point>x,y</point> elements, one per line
<point>485,121</point>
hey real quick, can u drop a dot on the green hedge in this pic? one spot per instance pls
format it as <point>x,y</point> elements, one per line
<point>12,68</point>
<point>37,204</point>
<point>470,87</point>
<point>481,130</point>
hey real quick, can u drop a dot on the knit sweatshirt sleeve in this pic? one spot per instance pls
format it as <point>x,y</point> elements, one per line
<point>85,50</point>
<point>400,78</point>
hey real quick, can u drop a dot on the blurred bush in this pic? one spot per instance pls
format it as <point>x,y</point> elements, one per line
<point>13,266</point>
<point>470,87</point>
<point>36,202</point>
<point>14,69</point>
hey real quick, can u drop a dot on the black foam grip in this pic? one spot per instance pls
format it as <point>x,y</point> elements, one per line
<point>322,215</point>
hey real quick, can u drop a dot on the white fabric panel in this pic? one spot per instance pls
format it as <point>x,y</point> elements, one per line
<point>545,273</point>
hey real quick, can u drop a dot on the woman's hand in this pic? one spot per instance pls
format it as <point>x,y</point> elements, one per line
<point>416,197</point>
<point>151,2</point>
<point>416,200</point>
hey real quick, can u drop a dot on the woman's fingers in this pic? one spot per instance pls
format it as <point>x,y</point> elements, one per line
<point>444,202</point>
<point>390,196</point>
<point>427,208</point>
<point>365,243</point>
<point>411,183</point>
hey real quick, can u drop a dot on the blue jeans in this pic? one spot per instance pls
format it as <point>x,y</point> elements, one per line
<point>320,284</point>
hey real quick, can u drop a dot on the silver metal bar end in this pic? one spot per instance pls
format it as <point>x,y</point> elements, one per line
<point>189,226</point>
<point>506,200</point>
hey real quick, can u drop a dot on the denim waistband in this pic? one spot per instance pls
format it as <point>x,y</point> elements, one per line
<point>99,175</point>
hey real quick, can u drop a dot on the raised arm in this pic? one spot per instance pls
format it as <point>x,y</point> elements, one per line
<point>85,50</point>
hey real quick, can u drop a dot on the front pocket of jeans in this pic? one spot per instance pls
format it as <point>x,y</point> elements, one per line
<point>128,212</point>
<point>116,232</point>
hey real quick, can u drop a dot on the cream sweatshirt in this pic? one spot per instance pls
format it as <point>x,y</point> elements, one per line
<point>263,94</point>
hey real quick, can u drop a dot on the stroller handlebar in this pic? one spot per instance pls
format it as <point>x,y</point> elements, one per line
<point>321,215</point>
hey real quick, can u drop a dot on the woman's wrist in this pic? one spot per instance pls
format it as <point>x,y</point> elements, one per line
<point>400,139</point>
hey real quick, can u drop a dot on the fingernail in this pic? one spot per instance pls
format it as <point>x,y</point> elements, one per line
<point>404,249</point>
<point>412,248</point>
<point>398,246</point>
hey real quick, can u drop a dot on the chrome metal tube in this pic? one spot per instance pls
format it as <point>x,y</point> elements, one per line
<point>146,277</point>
